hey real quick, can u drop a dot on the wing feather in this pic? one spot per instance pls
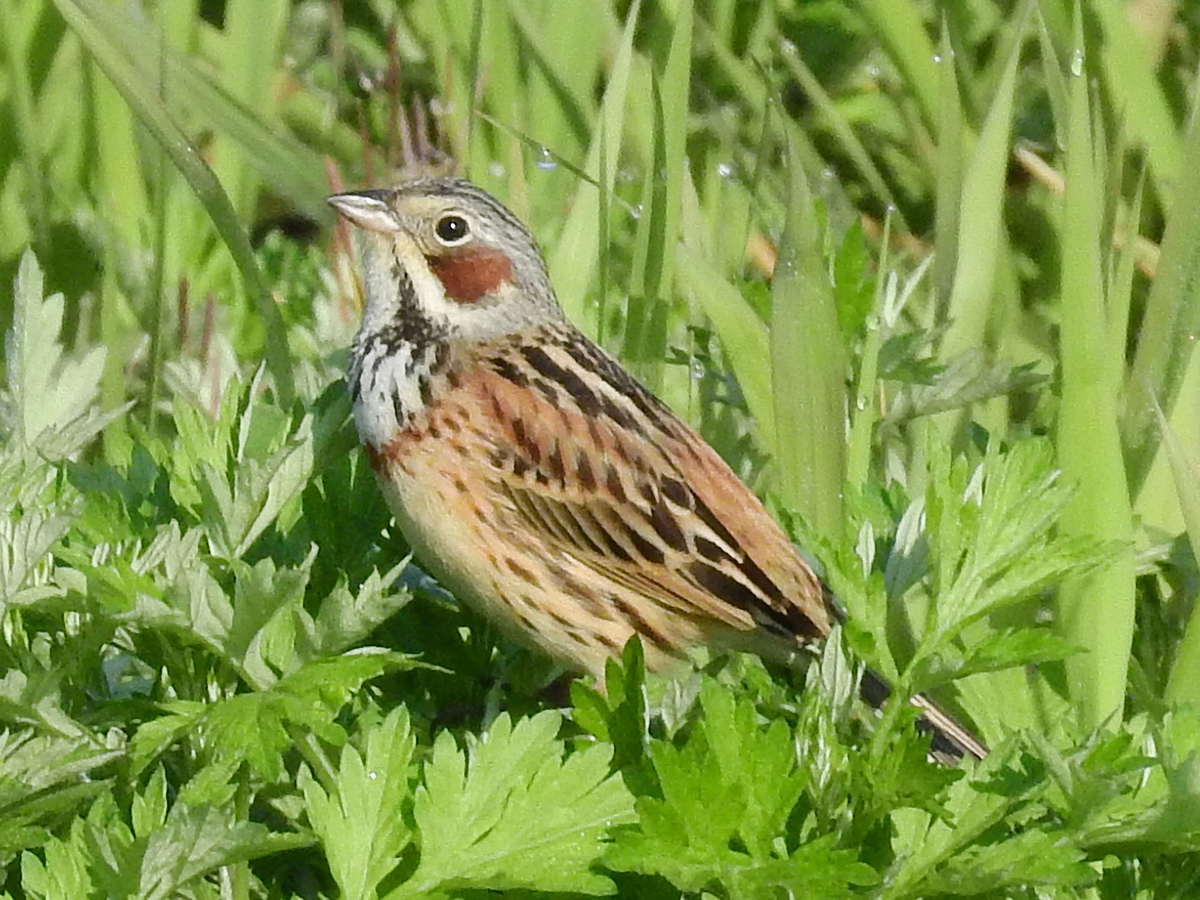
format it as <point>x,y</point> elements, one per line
<point>597,468</point>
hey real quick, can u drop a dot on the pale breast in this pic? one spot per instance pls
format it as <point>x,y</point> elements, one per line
<point>426,474</point>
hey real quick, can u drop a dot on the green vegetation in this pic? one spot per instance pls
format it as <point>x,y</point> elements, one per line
<point>925,273</point>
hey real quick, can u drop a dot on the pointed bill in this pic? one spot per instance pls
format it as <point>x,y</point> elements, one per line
<point>366,209</point>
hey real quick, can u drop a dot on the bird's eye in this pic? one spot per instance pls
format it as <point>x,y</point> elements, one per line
<point>452,230</point>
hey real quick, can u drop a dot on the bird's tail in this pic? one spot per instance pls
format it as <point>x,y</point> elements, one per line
<point>951,740</point>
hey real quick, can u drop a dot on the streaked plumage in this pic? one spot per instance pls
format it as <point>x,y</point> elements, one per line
<point>534,476</point>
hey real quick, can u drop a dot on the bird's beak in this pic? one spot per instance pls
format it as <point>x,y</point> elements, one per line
<point>367,209</point>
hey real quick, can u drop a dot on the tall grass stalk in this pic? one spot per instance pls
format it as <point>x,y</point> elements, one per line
<point>1097,611</point>
<point>808,369</point>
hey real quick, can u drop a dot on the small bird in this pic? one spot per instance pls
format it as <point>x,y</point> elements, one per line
<point>536,478</point>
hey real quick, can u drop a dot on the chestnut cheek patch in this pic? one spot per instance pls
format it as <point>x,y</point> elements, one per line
<point>467,276</point>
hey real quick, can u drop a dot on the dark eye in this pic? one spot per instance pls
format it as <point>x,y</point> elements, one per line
<point>452,229</point>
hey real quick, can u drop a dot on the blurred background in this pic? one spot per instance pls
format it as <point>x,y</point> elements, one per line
<point>871,249</point>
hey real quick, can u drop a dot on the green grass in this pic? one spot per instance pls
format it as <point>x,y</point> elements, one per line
<point>962,375</point>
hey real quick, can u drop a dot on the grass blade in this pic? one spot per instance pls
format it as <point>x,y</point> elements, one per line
<point>808,369</point>
<point>249,46</point>
<point>1098,610</point>
<point>658,228</point>
<point>948,198</point>
<point>866,404</point>
<point>980,225</point>
<point>744,338</point>
<point>1169,325</point>
<point>144,101</point>
<point>293,170</point>
<point>1130,75</point>
<point>1183,685</point>
<point>577,252</point>
<point>842,130</point>
<point>900,26</point>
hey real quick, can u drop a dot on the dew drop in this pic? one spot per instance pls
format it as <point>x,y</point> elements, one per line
<point>1077,63</point>
<point>546,162</point>
<point>636,211</point>
<point>725,170</point>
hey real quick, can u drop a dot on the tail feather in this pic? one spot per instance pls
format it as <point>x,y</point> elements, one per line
<point>951,741</point>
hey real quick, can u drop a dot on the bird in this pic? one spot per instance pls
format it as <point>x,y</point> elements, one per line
<point>541,483</point>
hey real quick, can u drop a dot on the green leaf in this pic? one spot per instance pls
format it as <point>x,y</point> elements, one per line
<point>255,727</point>
<point>992,533</point>
<point>25,546</point>
<point>727,794</point>
<point>1176,818</point>
<point>1006,649</point>
<point>153,737</point>
<point>1131,73</point>
<point>980,805</point>
<point>649,302</point>
<point>853,286</point>
<point>360,825</point>
<point>900,27</point>
<point>246,468</point>
<point>46,777</point>
<point>267,603</point>
<point>345,618</point>
<point>625,683</point>
<point>512,813</point>
<point>63,875</point>
<point>194,842</point>
<point>1166,344</point>
<point>966,379</point>
<point>760,762</point>
<point>149,808</point>
<point>1032,858</point>
<point>842,131</point>
<point>814,869</point>
<point>46,391</point>
<point>953,133</point>
<point>1184,683</point>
